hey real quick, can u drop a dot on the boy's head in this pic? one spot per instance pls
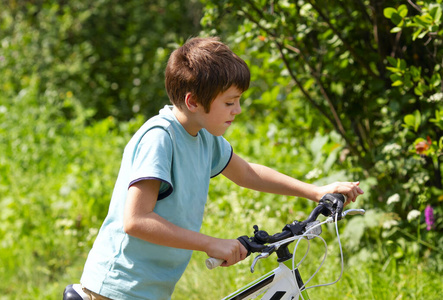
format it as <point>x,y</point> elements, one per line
<point>204,67</point>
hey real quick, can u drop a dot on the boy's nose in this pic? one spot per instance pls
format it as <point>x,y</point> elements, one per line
<point>237,109</point>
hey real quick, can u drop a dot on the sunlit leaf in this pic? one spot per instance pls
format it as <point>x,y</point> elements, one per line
<point>388,11</point>
<point>436,13</point>
<point>402,10</point>
<point>397,19</point>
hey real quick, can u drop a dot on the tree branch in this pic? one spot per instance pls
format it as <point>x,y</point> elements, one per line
<point>335,120</point>
<point>349,47</point>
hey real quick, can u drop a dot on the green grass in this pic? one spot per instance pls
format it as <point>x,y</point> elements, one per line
<point>57,177</point>
<point>361,280</point>
<point>364,277</point>
<point>365,282</point>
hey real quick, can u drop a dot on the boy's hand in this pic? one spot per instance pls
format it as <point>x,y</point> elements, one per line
<point>231,251</point>
<point>350,189</point>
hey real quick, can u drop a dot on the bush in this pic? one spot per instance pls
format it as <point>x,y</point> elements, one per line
<point>108,54</point>
<point>57,177</point>
<point>361,99</point>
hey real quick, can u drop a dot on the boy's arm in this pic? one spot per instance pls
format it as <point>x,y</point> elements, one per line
<point>264,179</point>
<point>142,222</point>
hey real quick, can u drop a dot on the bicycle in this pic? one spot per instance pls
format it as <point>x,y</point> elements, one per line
<point>285,281</point>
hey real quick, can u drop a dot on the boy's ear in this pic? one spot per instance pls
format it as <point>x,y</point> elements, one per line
<point>191,102</point>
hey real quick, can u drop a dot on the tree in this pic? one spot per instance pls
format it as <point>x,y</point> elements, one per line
<point>105,55</point>
<point>378,88</point>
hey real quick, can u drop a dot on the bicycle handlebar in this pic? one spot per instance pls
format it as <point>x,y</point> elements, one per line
<point>330,205</point>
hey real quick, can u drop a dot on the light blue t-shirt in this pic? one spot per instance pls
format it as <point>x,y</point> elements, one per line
<point>120,266</point>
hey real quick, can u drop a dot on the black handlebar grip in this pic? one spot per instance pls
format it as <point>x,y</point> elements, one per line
<point>334,203</point>
<point>244,241</point>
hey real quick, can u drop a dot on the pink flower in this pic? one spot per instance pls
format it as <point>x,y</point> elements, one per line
<point>429,217</point>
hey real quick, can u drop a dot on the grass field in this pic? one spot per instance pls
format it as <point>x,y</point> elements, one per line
<point>57,177</point>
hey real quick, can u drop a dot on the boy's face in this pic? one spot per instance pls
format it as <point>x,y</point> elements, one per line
<point>222,112</point>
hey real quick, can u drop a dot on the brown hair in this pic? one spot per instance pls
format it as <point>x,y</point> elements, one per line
<point>204,67</point>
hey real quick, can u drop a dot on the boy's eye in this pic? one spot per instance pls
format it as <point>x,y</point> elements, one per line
<point>229,103</point>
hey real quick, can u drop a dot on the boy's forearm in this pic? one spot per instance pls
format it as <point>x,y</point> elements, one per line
<point>157,230</point>
<point>264,179</point>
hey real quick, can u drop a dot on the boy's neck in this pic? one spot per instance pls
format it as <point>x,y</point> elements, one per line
<point>184,117</point>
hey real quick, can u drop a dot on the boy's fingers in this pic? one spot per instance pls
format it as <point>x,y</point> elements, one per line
<point>354,192</point>
<point>359,190</point>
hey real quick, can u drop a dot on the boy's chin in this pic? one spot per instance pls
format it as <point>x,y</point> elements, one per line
<point>217,133</point>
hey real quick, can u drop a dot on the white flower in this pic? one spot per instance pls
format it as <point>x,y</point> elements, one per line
<point>389,223</point>
<point>391,148</point>
<point>436,97</point>
<point>394,198</point>
<point>413,214</point>
<point>314,173</point>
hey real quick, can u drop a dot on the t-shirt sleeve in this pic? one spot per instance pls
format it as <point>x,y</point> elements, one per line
<point>222,153</point>
<point>153,159</point>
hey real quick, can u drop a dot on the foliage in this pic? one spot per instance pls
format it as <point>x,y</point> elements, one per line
<point>56,179</point>
<point>108,54</point>
<point>339,92</point>
<point>362,99</point>
<point>364,276</point>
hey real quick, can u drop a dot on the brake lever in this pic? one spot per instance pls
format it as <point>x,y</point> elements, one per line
<point>260,256</point>
<point>351,212</point>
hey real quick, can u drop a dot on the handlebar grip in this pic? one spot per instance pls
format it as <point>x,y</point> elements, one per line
<point>341,197</point>
<point>212,263</point>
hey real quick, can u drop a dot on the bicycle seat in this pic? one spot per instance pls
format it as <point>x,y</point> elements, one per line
<point>74,292</point>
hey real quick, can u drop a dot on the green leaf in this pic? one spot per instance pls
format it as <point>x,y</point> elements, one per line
<point>392,61</point>
<point>396,79</point>
<point>435,13</point>
<point>402,65</point>
<point>402,10</point>
<point>388,11</point>
<point>394,70</point>
<point>435,80</point>
<point>418,91</point>
<point>331,160</point>
<point>424,20</point>
<point>407,80</point>
<point>416,73</point>
<point>422,35</point>
<point>413,120</point>
<point>396,29</point>
<point>438,120</point>
<point>417,116</point>
<point>409,120</point>
<point>416,34</point>
<point>397,19</point>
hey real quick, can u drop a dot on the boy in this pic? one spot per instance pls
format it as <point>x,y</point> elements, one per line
<point>156,210</point>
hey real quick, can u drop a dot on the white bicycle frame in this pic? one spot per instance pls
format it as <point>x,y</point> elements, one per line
<point>285,282</point>
<point>277,284</point>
